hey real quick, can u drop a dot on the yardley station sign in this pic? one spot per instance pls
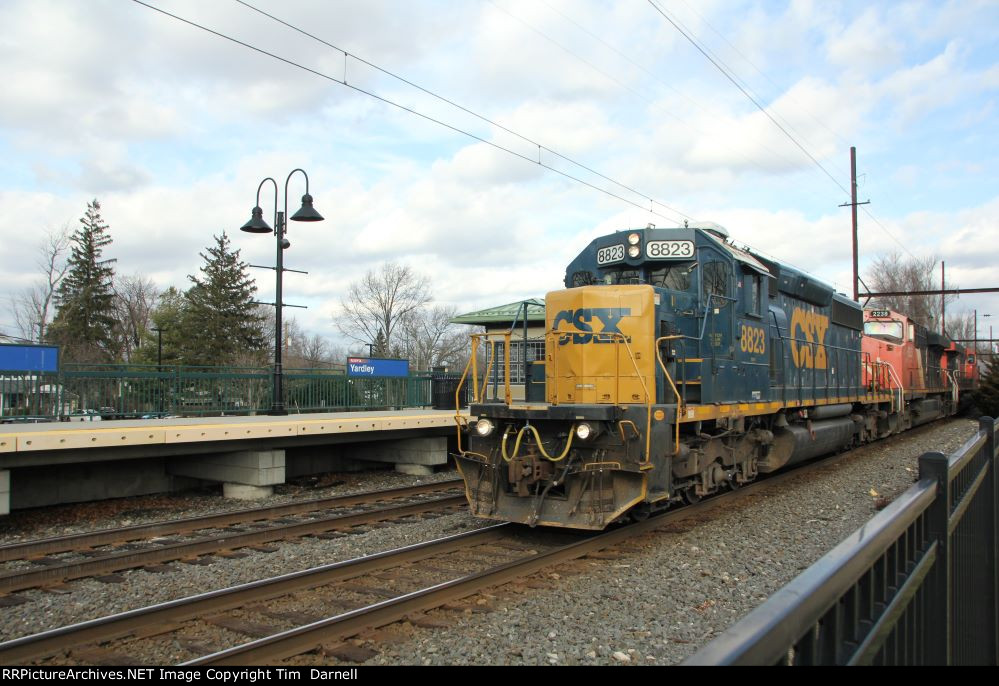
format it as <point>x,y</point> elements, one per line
<point>376,367</point>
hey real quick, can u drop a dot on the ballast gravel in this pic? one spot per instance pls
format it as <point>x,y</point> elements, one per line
<point>654,602</point>
<point>673,592</point>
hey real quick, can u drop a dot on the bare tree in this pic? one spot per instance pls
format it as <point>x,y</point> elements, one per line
<point>135,300</point>
<point>429,339</point>
<point>308,351</point>
<point>32,307</point>
<point>893,272</point>
<point>376,306</point>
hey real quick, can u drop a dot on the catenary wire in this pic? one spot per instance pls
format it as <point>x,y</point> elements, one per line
<point>650,208</point>
<point>759,71</point>
<point>666,111</point>
<point>533,142</point>
<point>745,92</point>
<point>771,118</point>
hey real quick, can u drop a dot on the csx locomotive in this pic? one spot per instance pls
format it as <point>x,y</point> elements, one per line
<point>676,365</point>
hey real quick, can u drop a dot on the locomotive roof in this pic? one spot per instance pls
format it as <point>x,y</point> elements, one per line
<point>789,280</point>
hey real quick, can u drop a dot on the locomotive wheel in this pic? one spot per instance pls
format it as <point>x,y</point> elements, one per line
<point>641,512</point>
<point>690,496</point>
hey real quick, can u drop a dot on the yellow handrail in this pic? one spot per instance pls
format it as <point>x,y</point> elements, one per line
<point>618,337</point>
<point>679,400</point>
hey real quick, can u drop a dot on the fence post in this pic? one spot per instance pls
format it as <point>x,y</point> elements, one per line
<point>988,425</point>
<point>934,465</point>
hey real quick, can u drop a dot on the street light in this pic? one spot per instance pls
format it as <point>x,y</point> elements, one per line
<point>306,213</point>
<point>159,346</point>
<point>159,363</point>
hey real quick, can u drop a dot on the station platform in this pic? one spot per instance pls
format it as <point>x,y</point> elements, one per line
<point>55,462</point>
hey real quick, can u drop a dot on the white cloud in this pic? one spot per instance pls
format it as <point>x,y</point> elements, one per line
<point>173,129</point>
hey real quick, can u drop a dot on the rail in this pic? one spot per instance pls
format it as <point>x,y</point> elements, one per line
<point>916,585</point>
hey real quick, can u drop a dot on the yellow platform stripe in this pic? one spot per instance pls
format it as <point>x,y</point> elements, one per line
<point>94,437</point>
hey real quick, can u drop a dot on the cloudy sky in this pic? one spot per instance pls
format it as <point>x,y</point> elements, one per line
<point>172,129</point>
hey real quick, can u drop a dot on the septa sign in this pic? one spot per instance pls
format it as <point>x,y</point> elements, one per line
<point>29,358</point>
<point>376,367</point>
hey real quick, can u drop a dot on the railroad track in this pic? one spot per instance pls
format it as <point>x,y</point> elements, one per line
<point>274,619</point>
<point>107,551</point>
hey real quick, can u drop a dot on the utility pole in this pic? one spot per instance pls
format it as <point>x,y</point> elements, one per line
<point>943,300</point>
<point>853,205</point>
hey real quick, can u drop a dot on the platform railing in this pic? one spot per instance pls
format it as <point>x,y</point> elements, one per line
<point>88,392</point>
<point>916,585</point>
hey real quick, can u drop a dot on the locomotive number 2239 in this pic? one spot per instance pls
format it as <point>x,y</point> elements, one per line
<point>752,340</point>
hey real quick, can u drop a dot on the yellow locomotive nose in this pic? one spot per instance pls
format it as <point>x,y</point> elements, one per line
<point>600,344</point>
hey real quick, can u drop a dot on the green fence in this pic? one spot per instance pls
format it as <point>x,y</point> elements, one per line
<point>129,391</point>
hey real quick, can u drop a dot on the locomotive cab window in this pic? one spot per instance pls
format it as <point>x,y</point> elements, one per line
<point>675,277</point>
<point>889,330</point>
<point>752,283</point>
<point>615,277</point>
<point>715,281</point>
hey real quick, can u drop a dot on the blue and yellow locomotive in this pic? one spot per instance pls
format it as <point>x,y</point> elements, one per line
<point>676,364</point>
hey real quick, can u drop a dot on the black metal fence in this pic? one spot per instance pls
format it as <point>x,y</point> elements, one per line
<point>916,585</point>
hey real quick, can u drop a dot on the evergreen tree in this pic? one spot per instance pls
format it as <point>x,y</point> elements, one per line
<point>221,323</point>
<point>84,325</point>
<point>168,316</point>
<point>987,395</point>
<point>380,347</point>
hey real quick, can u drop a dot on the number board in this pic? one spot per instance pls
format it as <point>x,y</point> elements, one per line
<point>669,250</point>
<point>612,253</point>
<point>880,313</point>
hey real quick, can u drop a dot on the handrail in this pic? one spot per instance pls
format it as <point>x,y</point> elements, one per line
<point>638,374</point>
<point>479,396</point>
<point>679,400</point>
<point>898,382</point>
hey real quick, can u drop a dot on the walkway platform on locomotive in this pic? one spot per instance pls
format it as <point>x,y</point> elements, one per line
<point>54,462</point>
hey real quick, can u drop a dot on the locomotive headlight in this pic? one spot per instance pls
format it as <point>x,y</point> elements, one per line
<point>484,427</point>
<point>633,238</point>
<point>634,251</point>
<point>583,431</point>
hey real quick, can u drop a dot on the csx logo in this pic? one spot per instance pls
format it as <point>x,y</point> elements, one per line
<point>582,320</point>
<point>808,333</point>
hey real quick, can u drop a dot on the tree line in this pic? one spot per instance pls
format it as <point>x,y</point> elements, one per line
<point>81,302</point>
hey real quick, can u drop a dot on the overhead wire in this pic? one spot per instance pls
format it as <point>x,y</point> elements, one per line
<point>760,72</point>
<point>669,113</point>
<point>491,122</point>
<point>343,82</point>
<point>726,72</point>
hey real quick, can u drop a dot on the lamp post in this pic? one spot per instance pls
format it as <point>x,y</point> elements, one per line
<point>159,347</point>
<point>306,213</point>
<point>159,362</point>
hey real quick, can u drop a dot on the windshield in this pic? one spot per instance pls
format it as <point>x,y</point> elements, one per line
<point>625,275</point>
<point>675,277</point>
<point>888,330</point>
